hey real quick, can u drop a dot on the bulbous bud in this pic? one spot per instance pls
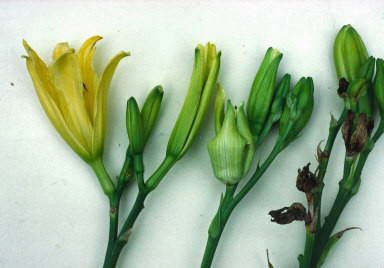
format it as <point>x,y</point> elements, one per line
<point>349,53</point>
<point>232,149</point>
<point>134,127</point>
<point>261,95</point>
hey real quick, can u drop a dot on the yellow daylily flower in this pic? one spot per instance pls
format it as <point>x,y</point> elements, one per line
<point>74,97</point>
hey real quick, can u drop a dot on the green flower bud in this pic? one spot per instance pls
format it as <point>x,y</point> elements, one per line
<point>298,109</point>
<point>135,127</point>
<point>150,110</point>
<point>359,97</point>
<point>349,53</point>
<point>203,80</point>
<point>279,98</point>
<point>357,89</point>
<point>378,86</point>
<point>366,71</point>
<point>219,107</point>
<point>260,97</point>
<point>232,149</point>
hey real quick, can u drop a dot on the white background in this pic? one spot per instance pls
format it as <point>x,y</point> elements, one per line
<point>53,212</point>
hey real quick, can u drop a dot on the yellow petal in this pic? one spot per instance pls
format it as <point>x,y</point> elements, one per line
<point>88,74</point>
<point>41,71</point>
<point>65,75</point>
<point>38,72</point>
<point>101,101</point>
<point>59,50</point>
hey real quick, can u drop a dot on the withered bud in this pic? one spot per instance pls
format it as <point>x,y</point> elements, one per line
<point>286,215</point>
<point>342,90</point>
<point>356,139</point>
<point>306,180</point>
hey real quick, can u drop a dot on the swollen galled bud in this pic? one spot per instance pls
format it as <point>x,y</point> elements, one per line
<point>232,149</point>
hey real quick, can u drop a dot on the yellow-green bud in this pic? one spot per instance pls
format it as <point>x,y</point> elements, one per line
<point>298,108</point>
<point>261,94</point>
<point>150,110</point>
<point>349,53</point>
<point>378,86</point>
<point>232,149</point>
<point>134,127</point>
<point>203,80</point>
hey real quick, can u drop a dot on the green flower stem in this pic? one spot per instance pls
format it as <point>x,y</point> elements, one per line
<point>323,164</point>
<point>125,177</point>
<point>122,239</point>
<point>347,189</point>
<point>342,199</point>
<point>230,201</point>
<point>305,259</point>
<point>223,214</point>
<point>126,230</point>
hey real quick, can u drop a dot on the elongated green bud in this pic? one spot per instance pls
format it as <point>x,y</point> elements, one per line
<point>367,69</point>
<point>135,127</point>
<point>279,98</point>
<point>349,53</point>
<point>260,97</point>
<point>298,108</point>
<point>203,80</point>
<point>150,110</point>
<point>378,86</point>
<point>232,149</point>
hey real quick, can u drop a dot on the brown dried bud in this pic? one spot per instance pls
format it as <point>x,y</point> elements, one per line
<point>356,139</point>
<point>306,181</point>
<point>286,215</point>
<point>342,90</point>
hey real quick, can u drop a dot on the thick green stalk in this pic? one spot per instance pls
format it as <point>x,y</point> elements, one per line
<point>220,219</point>
<point>342,199</point>
<point>311,238</point>
<point>126,230</point>
<point>333,130</point>
<point>305,259</point>
<point>122,239</point>
<point>343,196</point>
<point>125,177</point>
